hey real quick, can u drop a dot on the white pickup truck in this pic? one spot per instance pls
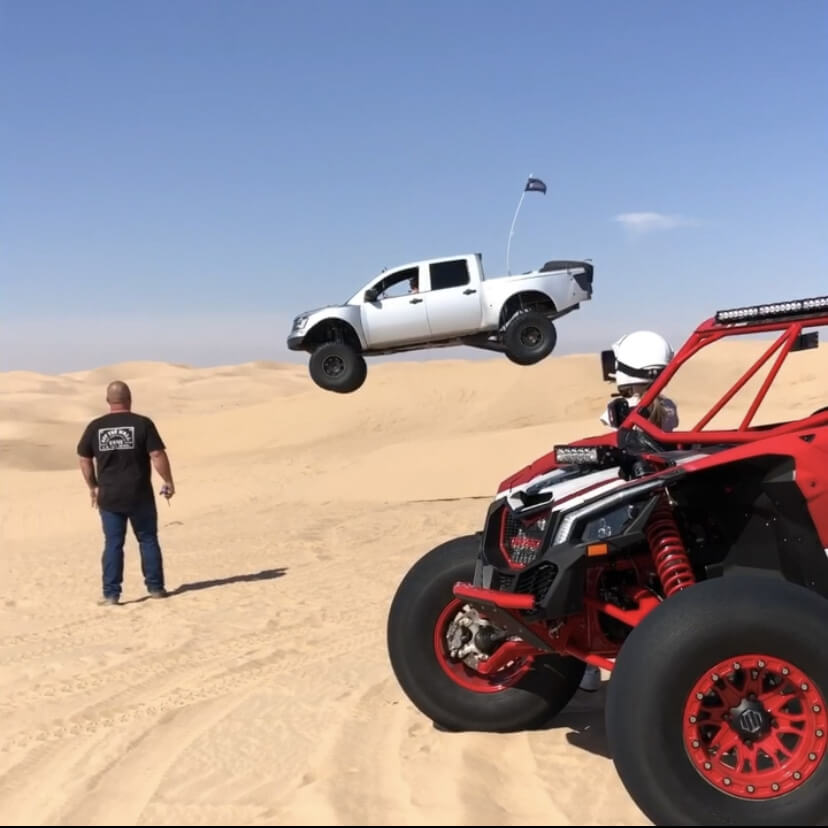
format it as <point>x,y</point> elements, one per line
<point>439,303</point>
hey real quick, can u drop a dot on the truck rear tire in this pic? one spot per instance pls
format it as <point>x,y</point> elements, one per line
<point>337,367</point>
<point>529,337</point>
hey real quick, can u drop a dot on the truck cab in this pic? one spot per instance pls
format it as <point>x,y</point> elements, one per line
<point>431,299</point>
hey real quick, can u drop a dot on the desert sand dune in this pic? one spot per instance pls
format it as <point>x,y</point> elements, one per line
<point>260,692</point>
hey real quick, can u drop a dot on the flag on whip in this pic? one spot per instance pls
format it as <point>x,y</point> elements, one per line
<point>533,185</point>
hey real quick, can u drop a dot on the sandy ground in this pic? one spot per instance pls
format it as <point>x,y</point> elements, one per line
<point>260,692</point>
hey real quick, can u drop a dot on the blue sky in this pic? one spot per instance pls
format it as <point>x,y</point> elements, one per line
<point>179,179</point>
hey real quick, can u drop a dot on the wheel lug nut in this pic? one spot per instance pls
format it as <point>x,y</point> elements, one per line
<point>815,708</point>
<point>714,677</point>
<point>812,757</point>
<point>727,780</point>
<point>695,743</point>
<point>761,663</point>
<point>693,720</point>
<point>803,686</point>
<point>736,665</point>
<point>775,786</point>
<point>750,789</point>
<point>707,766</point>
<point>785,671</point>
<point>820,733</point>
<point>699,696</point>
<point>797,775</point>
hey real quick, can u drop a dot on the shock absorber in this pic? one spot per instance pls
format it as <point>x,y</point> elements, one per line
<point>667,549</point>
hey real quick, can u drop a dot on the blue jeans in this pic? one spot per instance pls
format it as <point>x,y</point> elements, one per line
<point>144,521</point>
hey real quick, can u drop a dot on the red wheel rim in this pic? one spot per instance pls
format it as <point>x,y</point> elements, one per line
<point>755,726</point>
<point>461,673</point>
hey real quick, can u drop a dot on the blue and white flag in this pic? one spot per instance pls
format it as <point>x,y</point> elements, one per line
<point>535,185</point>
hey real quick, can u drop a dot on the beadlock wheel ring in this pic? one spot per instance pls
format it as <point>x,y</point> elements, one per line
<point>755,727</point>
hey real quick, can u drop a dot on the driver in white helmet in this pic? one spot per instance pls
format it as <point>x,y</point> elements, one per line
<point>639,358</point>
<point>636,360</point>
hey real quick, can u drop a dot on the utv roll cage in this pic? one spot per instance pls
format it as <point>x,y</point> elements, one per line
<point>787,318</point>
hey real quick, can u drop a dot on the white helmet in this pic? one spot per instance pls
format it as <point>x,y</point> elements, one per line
<point>640,357</point>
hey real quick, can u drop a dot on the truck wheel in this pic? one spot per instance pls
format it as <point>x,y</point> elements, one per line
<point>524,694</point>
<point>716,709</point>
<point>529,337</point>
<point>336,366</point>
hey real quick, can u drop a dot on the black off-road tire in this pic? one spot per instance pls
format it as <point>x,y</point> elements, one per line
<point>661,735</point>
<point>420,600</point>
<point>530,336</point>
<point>338,367</point>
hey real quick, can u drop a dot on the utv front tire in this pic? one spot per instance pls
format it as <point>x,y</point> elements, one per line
<point>337,367</point>
<point>450,694</point>
<point>716,708</point>
<point>529,337</point>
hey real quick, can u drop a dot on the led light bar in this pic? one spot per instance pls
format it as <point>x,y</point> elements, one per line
<point>756,313</point>
<point>586,455</point>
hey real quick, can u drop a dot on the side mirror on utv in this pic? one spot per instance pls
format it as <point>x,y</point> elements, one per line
<point>371,295</point>
<point>617,410</point>
<point>608,365</point>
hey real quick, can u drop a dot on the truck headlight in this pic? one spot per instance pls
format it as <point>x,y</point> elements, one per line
<point>300,323</point>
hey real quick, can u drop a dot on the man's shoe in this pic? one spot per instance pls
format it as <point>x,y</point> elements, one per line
<point>108,600</point>
<point>158,593</point>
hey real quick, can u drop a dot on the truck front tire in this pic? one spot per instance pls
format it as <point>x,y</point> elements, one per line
<point>337,367</point>
<point>529,337</point>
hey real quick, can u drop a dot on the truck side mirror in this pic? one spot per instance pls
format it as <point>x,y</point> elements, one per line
<point>371,295</point>
<point>617,410</point>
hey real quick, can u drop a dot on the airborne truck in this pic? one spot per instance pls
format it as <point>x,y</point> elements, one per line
<point>439,303</point>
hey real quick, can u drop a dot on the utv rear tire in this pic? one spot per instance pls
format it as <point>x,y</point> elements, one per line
<point>419,603</point>
<point>336,366</point>
<point>529,337</point>
<point>663,739</point>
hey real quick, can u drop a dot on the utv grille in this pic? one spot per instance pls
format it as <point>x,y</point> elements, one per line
<point>521,540</point>
<point>536,581</point>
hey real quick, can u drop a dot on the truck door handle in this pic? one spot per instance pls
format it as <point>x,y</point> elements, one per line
<point>467,291</point>
<point>415,301</point>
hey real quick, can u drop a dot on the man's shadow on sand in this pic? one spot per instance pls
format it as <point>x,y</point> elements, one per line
<point>193,586</point>
<point>584,717</point>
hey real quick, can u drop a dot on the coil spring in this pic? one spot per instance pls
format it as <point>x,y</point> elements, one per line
<point>667,549</point>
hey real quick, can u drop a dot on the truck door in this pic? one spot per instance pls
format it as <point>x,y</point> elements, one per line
<point>453,301</point>
<point>396,316</point>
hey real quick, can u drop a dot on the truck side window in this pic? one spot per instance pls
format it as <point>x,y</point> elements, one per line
<point>449,274</point>
<point>398,283</point>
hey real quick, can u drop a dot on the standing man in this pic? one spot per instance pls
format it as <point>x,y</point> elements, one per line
<point>122,445</point>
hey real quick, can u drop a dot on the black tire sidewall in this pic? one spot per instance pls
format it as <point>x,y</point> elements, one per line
<point>663,658</point>
<point>520,353</point>
<point>421,597</point>
<point>352,377</point>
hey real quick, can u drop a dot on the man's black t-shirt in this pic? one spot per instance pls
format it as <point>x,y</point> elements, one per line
<point>121,442</point>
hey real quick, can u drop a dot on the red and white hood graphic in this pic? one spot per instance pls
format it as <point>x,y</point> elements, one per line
<point>571,486</point>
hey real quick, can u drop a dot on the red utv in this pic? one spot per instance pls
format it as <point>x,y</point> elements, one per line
<point>691,564</point>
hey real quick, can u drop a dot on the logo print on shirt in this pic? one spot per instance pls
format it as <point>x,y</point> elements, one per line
<point>116,439</point>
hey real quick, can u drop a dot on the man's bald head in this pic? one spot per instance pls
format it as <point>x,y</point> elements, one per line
<point>118,394</point>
